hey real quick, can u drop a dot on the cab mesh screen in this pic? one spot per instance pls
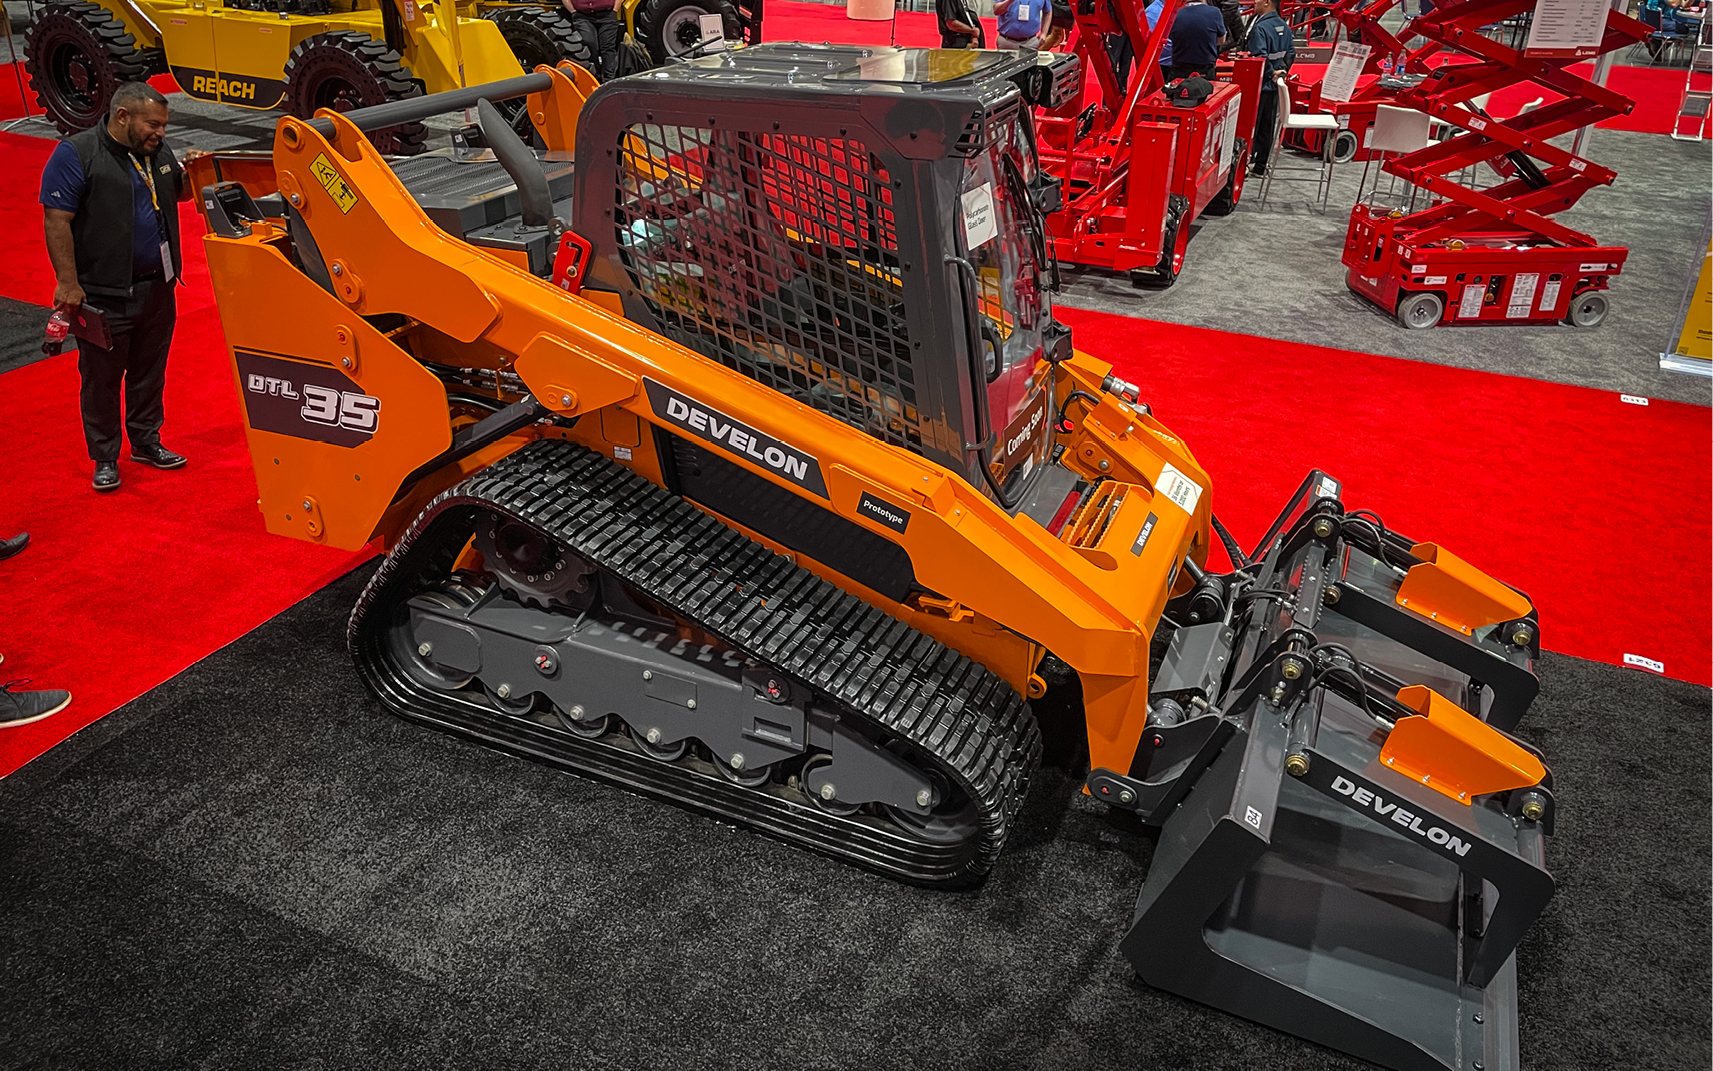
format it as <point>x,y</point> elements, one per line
<point>777,256</point>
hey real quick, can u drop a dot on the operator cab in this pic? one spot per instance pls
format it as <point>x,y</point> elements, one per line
<point>860,229</point>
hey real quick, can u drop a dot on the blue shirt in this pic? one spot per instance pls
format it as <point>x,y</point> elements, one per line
<point>63,187</point>
<point>1152,14</point>
<point>1022,20</point>
<point>1195,35</point>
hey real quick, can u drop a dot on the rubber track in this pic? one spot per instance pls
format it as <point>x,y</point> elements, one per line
<point>872,666</point>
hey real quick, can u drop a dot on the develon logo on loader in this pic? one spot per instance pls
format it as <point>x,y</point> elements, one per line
<point>1366,799</point>
<point>735,437</point>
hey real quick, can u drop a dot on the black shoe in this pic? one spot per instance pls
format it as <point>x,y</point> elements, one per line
<point>9,547</point>
<point>22,708</point>
<point>158,456</point>
<point>106,476</point>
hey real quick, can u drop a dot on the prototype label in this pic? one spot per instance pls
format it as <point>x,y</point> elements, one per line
<point>305,401</point>
<point>1142,536</point>
<point>334,183</point>
<point>735,437</point>
<point>1644,662</point>
<point>1183,491</point>
<point>896,518</point>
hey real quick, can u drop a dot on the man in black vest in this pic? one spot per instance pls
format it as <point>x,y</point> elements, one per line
<point>110,205</point>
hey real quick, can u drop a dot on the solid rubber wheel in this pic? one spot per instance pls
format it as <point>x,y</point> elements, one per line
<point>746,777</point>
<point>1420,310</point>
<point>658,752</point>
<point>587,727</point>
<point>422,667</point>
<point>77,55</point>
<point>832,806</point>
<point>1587,309</point>
<point>1224,202</point>
<point>1344,145</point>
<point>348,70</point>
<point>672,28</point>
<point>540,37</point>
<point>516,706</point>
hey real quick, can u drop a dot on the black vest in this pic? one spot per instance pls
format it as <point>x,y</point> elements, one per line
<point>102,226</point>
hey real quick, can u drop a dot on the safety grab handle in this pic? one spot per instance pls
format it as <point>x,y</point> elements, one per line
<point>413,109</point>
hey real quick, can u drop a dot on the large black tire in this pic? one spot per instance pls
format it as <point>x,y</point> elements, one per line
<point>671,28</point>
<point>348,70</point>
<point>541,36</point>
<point>76,56</point>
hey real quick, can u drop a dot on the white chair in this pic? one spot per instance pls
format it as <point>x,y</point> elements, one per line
<point>1286,119</point>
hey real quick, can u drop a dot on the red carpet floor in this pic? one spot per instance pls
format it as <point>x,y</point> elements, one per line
<point>118,592</point>
<point>1597,508</point>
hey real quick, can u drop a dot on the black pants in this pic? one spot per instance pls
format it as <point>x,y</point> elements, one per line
<point>1120,52</point>
<point>141,326</point>
<point>1266,114</point>
<point>600,31</point>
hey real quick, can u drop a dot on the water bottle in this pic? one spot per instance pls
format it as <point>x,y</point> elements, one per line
<point>59,325</point>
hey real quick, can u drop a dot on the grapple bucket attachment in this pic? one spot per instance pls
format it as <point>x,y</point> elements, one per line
<point>1359,847</point>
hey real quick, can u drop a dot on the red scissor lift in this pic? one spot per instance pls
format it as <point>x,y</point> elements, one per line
<point>1492,255</point>
<point>1136,170</point>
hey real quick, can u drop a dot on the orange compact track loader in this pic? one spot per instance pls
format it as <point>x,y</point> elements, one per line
<point>741,461</point>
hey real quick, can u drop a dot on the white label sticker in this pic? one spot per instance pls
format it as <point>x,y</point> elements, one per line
<point>713,28</point>
<point>1417,269</point>
<point>622,453</point>
<point>1182,490</point>
<point>1549,295</point>
<point>1522,294</point>
<point>979,224</point>
<point>1643,662</point>
<point>1253,817</point>
<point>1328,487</point>
<point>1478,124</point>
<point>1339,82</point>
<point>1435,280</point>
<point>1593,267</point>
<point>1470,306</point>
<point>1579,165</point>
<point>1633,399</point>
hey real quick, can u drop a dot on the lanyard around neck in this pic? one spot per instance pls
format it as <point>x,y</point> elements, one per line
<point>148,180</point>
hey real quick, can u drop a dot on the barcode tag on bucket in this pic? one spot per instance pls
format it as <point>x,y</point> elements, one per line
<point>1182,490</point>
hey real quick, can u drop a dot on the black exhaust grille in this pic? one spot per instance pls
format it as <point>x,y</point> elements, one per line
<point>777,256</point>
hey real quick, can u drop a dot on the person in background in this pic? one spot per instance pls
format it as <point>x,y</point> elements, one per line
<point>1656,14</point>
<point>598,25</point>
<point>1060,28</point>
<point>1198,33</point>
<point>1152,14</point>
<point>20,707</point>
<point>959,27</point>
<point>110,216</point>
<point>1023,23</point>
<point>1233,16</point>
<point>1270,38</point>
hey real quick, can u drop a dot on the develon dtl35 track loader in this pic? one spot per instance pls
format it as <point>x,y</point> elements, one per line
<point>747,467</point>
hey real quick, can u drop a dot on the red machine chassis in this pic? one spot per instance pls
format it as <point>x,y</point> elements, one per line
<point>1136,170</point>
<point>1492,255</point>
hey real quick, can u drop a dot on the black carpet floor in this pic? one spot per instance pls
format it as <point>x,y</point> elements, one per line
<point>22,326</point>
<point>254,866</point>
